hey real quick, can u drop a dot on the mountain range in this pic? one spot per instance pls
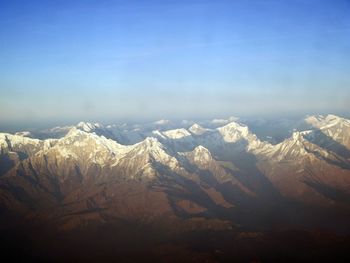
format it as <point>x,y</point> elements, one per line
<point>217,175</point>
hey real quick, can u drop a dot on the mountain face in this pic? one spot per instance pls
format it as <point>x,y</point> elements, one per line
<point>222,173</point>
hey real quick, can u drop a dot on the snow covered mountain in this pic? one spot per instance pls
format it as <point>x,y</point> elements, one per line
<point>93,171</point>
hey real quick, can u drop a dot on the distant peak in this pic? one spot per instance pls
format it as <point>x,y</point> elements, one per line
<point>176,133</point>
<point>197,129</point>
<point>196,126</point>
<point>234,126</point>
<point>233,132</point>
<point>88,126</point>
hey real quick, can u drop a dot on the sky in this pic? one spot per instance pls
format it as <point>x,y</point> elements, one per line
<point>134,59</point>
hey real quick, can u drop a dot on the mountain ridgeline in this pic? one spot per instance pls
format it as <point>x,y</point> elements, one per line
<point>211,176</point>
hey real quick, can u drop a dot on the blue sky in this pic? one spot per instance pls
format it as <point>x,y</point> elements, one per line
<point>101,60</point>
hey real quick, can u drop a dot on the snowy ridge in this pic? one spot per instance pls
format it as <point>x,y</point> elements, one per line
<point>95,143</point>
<point>141,159</point>
<point>154,149</point>
<point>88,127</point>
<point>81,145</point>
<point>325,122</point>
<point>330,128</point>
<point>290,148</point>
<point>197,129</point>
<point>298,148</point>
<point>19,143</point>
<point>176,133</point>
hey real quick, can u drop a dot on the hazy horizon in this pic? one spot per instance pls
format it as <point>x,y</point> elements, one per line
<point>42,125</point>
<point>66,61</point>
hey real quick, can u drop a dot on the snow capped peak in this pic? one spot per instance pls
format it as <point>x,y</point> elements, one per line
<point>74,131</point>
<point>152,150</point>
<point>148,145</point>
<point>88,148</point>
<point>197,129</point>
<point>88,126</point>
<point>201,154</point>
<point>79,137</point>
<point>325,122</point>
<point>19,143</point>
<point>290,148</point>
<point>331,127</point>
<point>233,131</point>
<point>234,125</point>
<point>9,139</point>
<point>297,136</point>
<point>151,142</point>
<point>177,133</point>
